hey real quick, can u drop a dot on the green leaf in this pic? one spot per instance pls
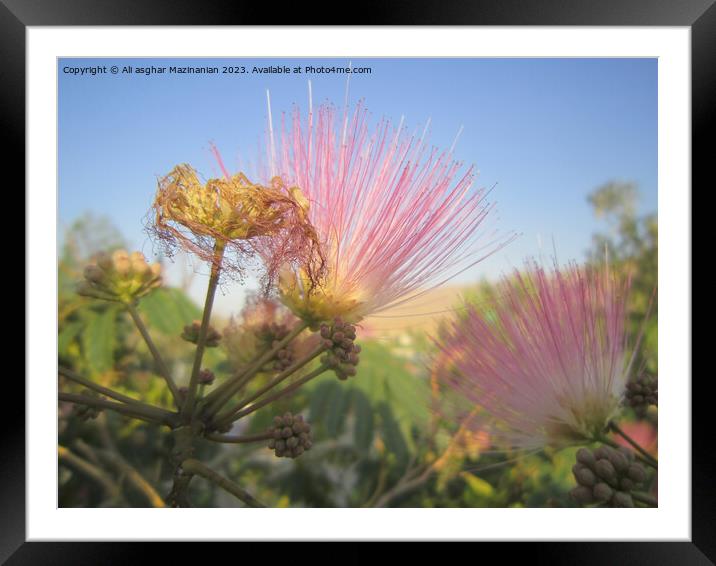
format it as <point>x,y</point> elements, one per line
<point>99,340</point>
<point>67,335</point>
<point>336,409</point>
<point>168,310</point>
<point>363,429</point>
<point>392,435</point>
<point>319,400</point>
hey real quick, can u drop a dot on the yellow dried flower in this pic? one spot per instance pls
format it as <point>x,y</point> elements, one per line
<point>234,213</point>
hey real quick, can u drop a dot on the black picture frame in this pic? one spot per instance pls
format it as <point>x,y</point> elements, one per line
<point>699,15</point>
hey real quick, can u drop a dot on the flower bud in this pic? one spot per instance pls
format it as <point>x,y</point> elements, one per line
<point>585,457</point>
<point>622,499</point>
<point>602,492</point>
<point>582,494</point>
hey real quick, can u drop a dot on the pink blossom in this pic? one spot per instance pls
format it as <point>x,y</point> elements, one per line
<point>393,216</point>
<point>546,360</point>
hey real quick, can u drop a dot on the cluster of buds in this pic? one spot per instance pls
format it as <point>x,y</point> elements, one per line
<point>342,352</point>
<point>607,476</point>
<point>270,334</point>
<point>191,334</point>
<point>120,276</point>
<point>642,392</point>
<point>291,436</point>
<point>85,412</point>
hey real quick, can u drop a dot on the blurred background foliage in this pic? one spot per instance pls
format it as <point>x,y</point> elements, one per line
<point>377,441</point>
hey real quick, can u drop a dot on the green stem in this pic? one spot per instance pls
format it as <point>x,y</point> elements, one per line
<point>273,383</point>
<point>162,368</point>
<point>644,498</point>
<point>239,439</point>
<point>188,407</point>
<point>222,394</point>
<point>234,416</point>
<point>193,466</point>
<point>72,376</point>
<point>145,413</point>
<point>652,461</point>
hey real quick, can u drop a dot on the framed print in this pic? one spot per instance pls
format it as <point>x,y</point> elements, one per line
<point>397,280</point>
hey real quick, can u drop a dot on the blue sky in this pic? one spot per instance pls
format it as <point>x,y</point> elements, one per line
<point>547,131</point>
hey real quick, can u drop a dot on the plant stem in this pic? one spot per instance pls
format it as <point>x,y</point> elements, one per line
<point>188,407</point>
<point>223,393</point>
<point>90,470</point>
<point>135,478</point>
<point>652,461</point>
<point>273,383</point>
<point>644,498</point>
<point>158,361</point>
<point>403,486</point>
<point>239,439</point>
<point>193,466</point>
<point>72,376</point>
<point>145,413</point>
<point>278,395</point>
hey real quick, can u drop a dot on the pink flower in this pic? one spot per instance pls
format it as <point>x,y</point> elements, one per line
<point>393,216</point>
<point>547,360</point>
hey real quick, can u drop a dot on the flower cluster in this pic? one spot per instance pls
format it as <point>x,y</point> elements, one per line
<point>342,354</point>
<point>642,392</point>
<point>607,476</point>
<point>120,276</point>
<point>191,334</point>
<point>291,436</point>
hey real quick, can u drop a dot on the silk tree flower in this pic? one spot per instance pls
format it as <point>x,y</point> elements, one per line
<point>393,216</point>
<point>547,360</point>
<point>231,213</point>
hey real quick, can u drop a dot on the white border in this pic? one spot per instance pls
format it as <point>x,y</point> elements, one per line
<point>671,521</point>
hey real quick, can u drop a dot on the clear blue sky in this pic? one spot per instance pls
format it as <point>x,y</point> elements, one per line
<point>547,131</point>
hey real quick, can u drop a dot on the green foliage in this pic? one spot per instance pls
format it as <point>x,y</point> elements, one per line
<point>168,310</point>
<point>99,339</point>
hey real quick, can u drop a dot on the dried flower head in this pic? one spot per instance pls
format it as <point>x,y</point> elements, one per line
<point>234,214</point>
<point>547,360</point>
<point>120,276</point>
<point>392,216</point>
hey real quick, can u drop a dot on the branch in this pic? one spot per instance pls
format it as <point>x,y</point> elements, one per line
<point>72,376</point>
<point>188,407</point>
<point>648,457</point>
<point>236,415</point>
<point>90,470</point>
<point>239,439</point>
<point>150,414</point>
<point>193,466</point>
<point>273,383</point>
<point>159,362</point>
<point>223,393</point>
<point>135,478</point>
